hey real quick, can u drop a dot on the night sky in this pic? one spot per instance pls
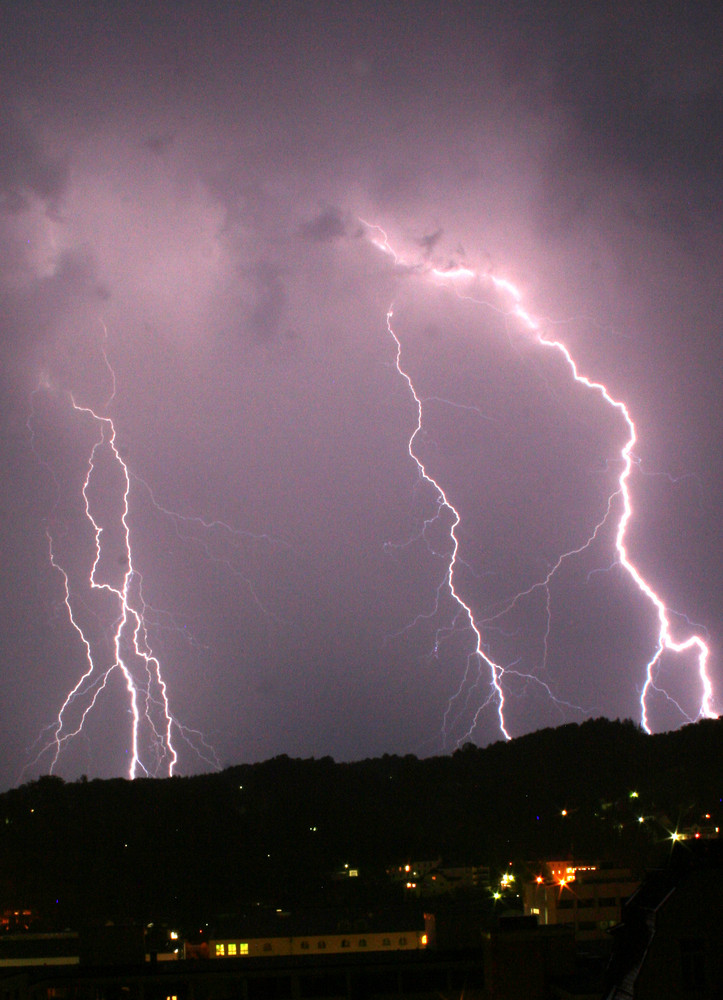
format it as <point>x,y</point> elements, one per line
<point>181,193</point>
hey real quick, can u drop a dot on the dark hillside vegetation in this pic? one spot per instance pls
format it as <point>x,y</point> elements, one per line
<point>275,833</point>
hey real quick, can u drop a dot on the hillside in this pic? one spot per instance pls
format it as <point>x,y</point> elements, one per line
<point>186,849</point>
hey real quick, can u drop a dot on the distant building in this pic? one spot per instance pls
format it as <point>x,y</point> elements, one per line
<point>101,945</point>
<point>319,933</point>
<point>586,897</point>
<point>435,878</point>
<point>412,871</point>
<point>698,831</point>
<point>17,920</point>
<point>19,950</point>
<point>345,873</point>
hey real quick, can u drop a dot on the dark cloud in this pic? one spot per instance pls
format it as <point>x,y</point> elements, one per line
<point>324,228</point>
<point>428,243</point>
<point>639,88</point>
<point>25,169</point>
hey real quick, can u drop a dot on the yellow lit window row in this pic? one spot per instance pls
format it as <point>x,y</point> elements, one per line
<point>231,949</point>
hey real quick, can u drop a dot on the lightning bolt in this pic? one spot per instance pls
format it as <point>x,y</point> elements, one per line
<point>443,504</point>
<point>148,704</point>
<point>125,649</point>
<point>460,277</point>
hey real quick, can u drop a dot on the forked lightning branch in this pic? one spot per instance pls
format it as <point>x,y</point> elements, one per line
<point>482,672</point>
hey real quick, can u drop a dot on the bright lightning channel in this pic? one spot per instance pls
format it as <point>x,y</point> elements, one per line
<point>496,671</point>
<point>147,696</point>
<point>665,641</point>
<point>154,730</point>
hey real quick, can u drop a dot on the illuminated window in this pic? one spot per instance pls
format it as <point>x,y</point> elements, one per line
<point>231,950</point>
<point>243,948</point>
<point>220,949</point>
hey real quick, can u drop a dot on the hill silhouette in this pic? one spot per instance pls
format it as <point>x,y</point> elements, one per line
<point>275,833</point>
